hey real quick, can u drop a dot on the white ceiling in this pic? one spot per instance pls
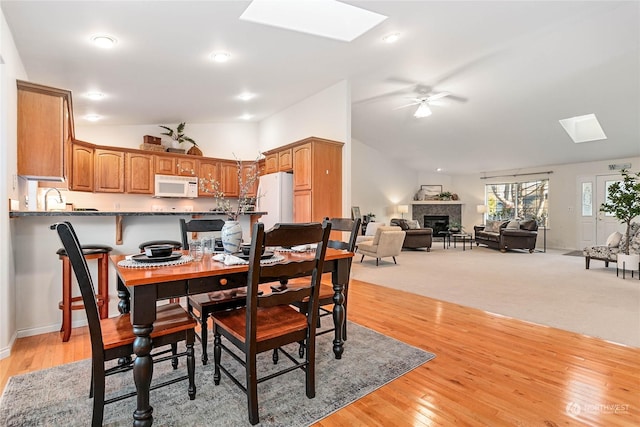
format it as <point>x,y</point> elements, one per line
<point>518,68</point>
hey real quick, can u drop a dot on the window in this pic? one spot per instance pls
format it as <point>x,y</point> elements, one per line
<point>528,199</point>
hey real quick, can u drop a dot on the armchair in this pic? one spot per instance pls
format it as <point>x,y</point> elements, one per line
<point>386,243</point>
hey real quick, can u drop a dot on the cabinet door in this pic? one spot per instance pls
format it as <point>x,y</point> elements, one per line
<point>41,134</point>
<point>302,206</point>
<point>229,178</point>
<point>139,176</point>
<point>109,171</point>
<point>165,165</point>
<point>285,160</point>
<point>250,174</point>
<point>208,170</point>
<point>302,168</point>
<point>271,163</point>
<point>187,167</point>
<point>81,176</point>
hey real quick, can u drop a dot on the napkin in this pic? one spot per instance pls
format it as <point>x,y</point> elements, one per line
<point>228,259</point>
<point>305,248</point>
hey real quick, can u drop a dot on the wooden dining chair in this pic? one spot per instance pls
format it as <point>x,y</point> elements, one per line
<point>113,338</point>
<point>268,321</point>
<point>201,306</point>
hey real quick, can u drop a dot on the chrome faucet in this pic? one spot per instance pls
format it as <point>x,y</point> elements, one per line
<point>60,199</point>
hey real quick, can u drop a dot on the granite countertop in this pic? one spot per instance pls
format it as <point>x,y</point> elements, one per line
<point>13,214</point>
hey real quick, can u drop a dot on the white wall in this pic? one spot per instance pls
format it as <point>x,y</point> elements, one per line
<point>223,140</point>
<point>326,114</point>
<point>11,68</point>
<point>379,184</point>
<point>563,195</point>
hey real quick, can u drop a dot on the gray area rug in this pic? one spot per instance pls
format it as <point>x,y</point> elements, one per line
<point>59,396</point>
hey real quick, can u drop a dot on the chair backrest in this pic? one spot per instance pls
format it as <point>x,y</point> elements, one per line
<point>390,243</point>
<point>198,226</point>
<point>345,225</point>
<point>79,265</point>
<point>381,229</point>
<point>372,227</point>
<point>286,235</point>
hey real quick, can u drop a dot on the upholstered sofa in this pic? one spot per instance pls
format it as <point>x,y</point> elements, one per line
<point>508,234</point>
<point>415,237</point>
<point>615,245</point>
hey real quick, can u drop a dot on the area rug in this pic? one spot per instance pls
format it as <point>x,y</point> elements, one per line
<point>59,396</point>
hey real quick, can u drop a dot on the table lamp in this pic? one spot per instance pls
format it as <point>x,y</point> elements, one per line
<point>481,209</point>
<point>403,209</point>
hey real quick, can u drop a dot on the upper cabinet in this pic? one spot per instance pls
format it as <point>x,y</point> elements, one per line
<point>271,163</point>
<point>208,171</point>
<point>109,171</point>
<point>229,178</point>
<point>285,160</point>
<point>81,175</point>
<point>45,130</point>
<point>139,176</point>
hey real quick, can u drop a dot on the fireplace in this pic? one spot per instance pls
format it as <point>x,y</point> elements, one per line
<point>437,222</point>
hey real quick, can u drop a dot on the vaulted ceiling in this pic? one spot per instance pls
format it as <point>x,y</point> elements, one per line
<point>513,69</point>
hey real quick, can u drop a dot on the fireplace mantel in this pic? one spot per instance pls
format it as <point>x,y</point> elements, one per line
<point>437,202</point>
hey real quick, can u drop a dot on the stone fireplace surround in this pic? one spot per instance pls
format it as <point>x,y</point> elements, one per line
<point>451,209</point>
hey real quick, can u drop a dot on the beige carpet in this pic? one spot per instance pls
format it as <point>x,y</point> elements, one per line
<point>544,288</point>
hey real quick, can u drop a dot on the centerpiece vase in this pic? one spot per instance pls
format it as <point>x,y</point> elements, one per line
<point>231,235</point>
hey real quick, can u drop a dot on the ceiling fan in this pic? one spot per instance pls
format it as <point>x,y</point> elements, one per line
<point>423,104</point>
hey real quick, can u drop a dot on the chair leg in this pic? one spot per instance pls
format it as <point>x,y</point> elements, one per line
<point>310,369</point>
<point>204,336</point>
<point>252,387</point>
<point>377,259</point>
<point>301,349</point>
<point>394,260</point>
<point>217,352</point>
<point>66,300</point>
<point>191,370</point>
<point>587,260</point>
<point>174,351</point>
<point>361,259</point>
<point>274,356</point>
<point>98,394</point>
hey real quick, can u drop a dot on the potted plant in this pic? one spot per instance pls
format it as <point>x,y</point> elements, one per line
<point>178,135</point>
<point>623,201</point>
<point>445,195</point>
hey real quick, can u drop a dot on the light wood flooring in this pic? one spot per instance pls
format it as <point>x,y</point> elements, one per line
<point>490,370</point>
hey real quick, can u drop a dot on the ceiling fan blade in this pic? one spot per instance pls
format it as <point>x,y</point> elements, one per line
<point>407,105</point>
<point>436,96</point>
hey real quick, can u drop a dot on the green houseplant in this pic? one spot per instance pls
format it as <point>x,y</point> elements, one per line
<point>177,134</point>
<point>624,201</point>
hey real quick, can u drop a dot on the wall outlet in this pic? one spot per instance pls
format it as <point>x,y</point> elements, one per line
<point>156,208</point>
<point>188,208</point>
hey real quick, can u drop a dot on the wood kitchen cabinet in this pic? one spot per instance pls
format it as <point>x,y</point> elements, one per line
<point>271,163</point>
<point>186,167</point>
<point>45,128</point>
<point>109,171</point>
<point>165,165</point>
<point>207,170</point>
<point>285,160</point>
<point>82,163</point>
<point>138,175</point>
<point>229,178</point>
<point>317,179</point>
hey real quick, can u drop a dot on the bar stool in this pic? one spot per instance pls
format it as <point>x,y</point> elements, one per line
<point>68,303</point>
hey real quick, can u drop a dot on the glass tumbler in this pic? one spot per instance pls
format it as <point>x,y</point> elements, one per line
<point>196,250</point>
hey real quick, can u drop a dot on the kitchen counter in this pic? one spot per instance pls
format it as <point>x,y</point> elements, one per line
<point>120,215</point>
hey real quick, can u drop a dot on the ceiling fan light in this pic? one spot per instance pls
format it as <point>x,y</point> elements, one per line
<point>422,111</point>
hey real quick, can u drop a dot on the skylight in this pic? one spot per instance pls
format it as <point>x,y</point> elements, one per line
<point>326,18</point>
<point>583,128</point>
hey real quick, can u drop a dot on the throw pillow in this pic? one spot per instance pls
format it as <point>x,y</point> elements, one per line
<point>529,225</point>
<point>613,241</point>
<point>513,224</point>
<point>492,226</point>
<point>402,223</point>
<point>413,224</point>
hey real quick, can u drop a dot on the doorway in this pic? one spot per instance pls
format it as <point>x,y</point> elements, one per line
<point>595,226</point>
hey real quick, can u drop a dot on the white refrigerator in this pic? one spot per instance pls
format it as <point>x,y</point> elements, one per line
<point>275,197</point>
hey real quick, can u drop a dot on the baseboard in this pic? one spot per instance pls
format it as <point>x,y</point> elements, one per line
<point>48,329</point>
<point>6,351</point>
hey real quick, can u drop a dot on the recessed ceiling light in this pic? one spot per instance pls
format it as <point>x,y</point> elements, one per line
<point>246,117</point>
<point>327,18</point>
<point>439,170</point>
<point>583,128</point>
<point>96,96</point>
<point>92,117</point>
<point>246,96</point>
<point>104,41</point>
<point>391,38</point>
<point>220,56</point>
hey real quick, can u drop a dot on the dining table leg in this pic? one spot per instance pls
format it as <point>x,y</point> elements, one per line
<point>142,318</point>
<point>339,278</point>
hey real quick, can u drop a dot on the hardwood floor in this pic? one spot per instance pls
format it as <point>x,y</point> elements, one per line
<point>489,370</point>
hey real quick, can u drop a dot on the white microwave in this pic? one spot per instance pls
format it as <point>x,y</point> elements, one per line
<point>176,186</point>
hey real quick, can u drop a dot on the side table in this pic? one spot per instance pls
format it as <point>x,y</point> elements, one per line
<point>464,238</point>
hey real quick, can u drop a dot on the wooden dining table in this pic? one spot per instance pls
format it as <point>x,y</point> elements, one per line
<point>140,288</point>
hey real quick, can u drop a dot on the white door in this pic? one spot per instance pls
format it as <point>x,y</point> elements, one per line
<point>594,226</point>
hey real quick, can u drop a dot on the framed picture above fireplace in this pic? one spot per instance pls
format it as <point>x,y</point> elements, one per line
<point>429,192</point>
